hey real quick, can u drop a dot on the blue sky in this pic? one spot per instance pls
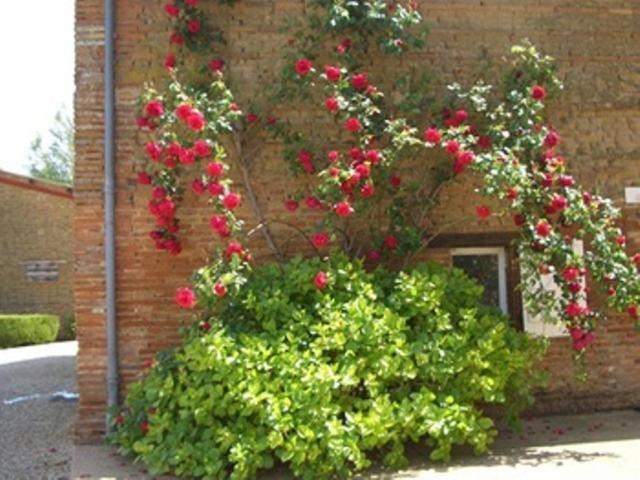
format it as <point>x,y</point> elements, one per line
<point>37,52</point>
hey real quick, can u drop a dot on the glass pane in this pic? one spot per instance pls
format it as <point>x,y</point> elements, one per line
<point>483,268</point>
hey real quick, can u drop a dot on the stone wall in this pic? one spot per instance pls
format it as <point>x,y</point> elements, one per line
<point>596,43</point>
<point>35,243</point>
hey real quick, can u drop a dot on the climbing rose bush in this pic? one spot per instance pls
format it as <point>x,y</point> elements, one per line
<point>324,366</point>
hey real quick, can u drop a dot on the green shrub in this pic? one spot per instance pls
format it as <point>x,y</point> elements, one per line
<point>17,330</point>
<point>326,380</point>
<point>67,328</point>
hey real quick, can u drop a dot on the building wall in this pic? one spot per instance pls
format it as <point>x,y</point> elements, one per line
<point>596,43</point>
<point>36,220</point>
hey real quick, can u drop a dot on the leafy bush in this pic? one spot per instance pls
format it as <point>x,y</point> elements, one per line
<point>325,379</point>
<point>67,328</point>
<point>17,330</point>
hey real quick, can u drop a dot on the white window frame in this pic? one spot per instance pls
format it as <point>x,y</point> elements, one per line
<point>501,253</point>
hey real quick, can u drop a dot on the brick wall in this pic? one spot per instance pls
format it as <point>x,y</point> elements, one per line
<point>597,45</point>
<point>36,226</point>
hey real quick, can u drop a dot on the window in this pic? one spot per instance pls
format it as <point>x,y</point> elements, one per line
<point>42,271</point>
<point>488,265</point>
<point>491,258</point>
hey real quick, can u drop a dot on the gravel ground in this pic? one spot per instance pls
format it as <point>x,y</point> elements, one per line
<point>36,433</point>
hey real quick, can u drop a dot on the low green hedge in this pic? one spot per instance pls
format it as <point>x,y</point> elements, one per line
<point>17,330</point>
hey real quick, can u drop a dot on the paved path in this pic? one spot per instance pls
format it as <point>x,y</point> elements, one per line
<point>603,446</point>
<point>36,412</point>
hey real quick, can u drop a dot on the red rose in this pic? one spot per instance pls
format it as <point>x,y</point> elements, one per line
<point>186,298</point>
<point>466,158</point>
<point>154,150</point>
<point>373,156</point>
<point>621,240</point>
<point>183,111</point>
<point>220,290</point>
<point>586,198</point>
<point>201,148</point>
<point>552,139</point>
<point>343,46</point>
<point>176,39</point>
<point>575,288</point>
<point>353,125</point>
<point>305,158</point>
<point>543,228</point>
<point>574,310</point>
<point>512,193</point>
<point>570,274</point>
<point>547,180</point>
<point>333,156</point>
<point>332,104</point>
<point>538,92</point>
<point>196,121</point>
<point>484,142</point>
<point>320,240</point>
<point>144,427</point>
<point>231,201</point>
<point>312,202</point>
<point>483,212</point>
<point>321,280</point>
<point>187,156</point>
<point>363,171</point>
<point>218,222</point>
<point>291,205</point>
<point>356,154</point>
<point>460,117</point>
<point>334,172</point>
<point>391,242</point>
<point>167,209</point>
<point>395,181</point>
<point>159,193</point>
<point>144,178</point>
<point>215,169</point>
<point>636,259</point>
<point>303,67</point>
<point>566,181</point>
<point>172,10</point>
<point>215,189</point>
<point>432,136</point>
<point>581,338</point>
<point>154,109</point>
<point>452,147</point>
<point>632,310</point>
<point>518,220</point>
<point>234,248</point>
<point>459,166</point>
<point>374,256</point>
<point>252,118</point>
<point>193,26</point>
<point>360,81</point>
<point>198,186</point>
<point>558,203</point>
<point>216,65</point>
<point>367,190</point>
<point>333,74</point>
<point>170,61</point>
<point>343,209</point>
<point>233,107</point>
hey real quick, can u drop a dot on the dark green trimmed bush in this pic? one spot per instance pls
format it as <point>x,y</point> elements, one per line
<point>17,330</point>
<point>330,380</point>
